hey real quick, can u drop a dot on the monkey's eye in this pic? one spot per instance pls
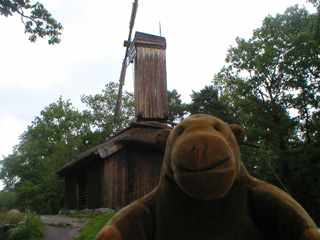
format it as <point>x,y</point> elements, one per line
<point>180,130</point>
<point>216,127</point>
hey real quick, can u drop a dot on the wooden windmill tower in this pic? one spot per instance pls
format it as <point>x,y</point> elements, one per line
<point>148,53</point>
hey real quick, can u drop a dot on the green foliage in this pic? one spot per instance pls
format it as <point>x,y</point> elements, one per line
<point>91,230</point>
<point>101,110</point>
<point>82,214</point>
<point>267,77</point>
<point>273,73</point>
<point>11,218</point>
<point>53,139</point>
<point>77,214</point>
<point>316,3</point>
<point>305,168</point>
<point>8,200</point>
<point>176,108</point>
<point>32,229</point>
<point>208,101</point>
<point>39,21</point>
<point>65,212</point>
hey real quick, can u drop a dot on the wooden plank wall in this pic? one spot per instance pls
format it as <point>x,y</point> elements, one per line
<point>151,84</point>
<point>114,182</point>
<point>71,191</point>
<point>114,187</point>
<point>83,186</point>
<point>94,175</point>
<point>147,164</point>
<point>130,174</point>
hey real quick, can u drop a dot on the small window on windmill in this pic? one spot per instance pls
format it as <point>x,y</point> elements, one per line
<point>132,53</point>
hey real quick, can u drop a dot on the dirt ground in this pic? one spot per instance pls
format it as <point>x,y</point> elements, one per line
<point>61,227</point>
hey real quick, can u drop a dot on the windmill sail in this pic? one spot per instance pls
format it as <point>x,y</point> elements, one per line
<point>124,63</point>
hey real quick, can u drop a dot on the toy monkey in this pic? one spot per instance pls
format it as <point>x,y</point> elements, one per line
<point>206,193</point>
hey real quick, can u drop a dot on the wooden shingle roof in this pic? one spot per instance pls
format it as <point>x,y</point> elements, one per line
<point>135,134</point>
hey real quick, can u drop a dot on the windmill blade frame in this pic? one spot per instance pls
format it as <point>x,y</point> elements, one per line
<point>124,63</point>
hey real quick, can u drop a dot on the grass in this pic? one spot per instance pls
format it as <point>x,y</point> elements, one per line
<point>81,214</point>
<point>85,215</point>
<point>11,218</point>
<point>91,230</point>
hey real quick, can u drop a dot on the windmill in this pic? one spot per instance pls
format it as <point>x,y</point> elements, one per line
<point>148,54</point>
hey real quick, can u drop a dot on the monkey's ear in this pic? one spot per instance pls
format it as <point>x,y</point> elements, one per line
<point>162,137</point>
<point>238,132</point>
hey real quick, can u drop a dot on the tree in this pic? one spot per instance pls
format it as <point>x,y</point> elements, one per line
<point>316,3</point>
<point>208,101</point>
<point>268,77</point>
<point>176,108</point>
<point>54,138</point>
<point>101,110</point>
<point>233,108</point>
<point>37,19</point>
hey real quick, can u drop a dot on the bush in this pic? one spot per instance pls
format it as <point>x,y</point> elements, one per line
<point>32,229</point>
<point>91,230</point>
<point>65,212</point>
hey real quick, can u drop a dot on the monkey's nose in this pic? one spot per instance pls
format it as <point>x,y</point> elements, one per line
<point>199,151</point>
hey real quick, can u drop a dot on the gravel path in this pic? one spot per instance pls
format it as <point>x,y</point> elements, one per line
<point>60,233</point>
<point>61,227</point>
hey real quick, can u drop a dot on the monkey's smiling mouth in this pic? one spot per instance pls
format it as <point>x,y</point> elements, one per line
<point>204,169</point>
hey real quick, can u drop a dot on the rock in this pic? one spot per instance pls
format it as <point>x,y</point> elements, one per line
<point>14,211</point>
<point>64,212</point>
<point>5,230</point>
<point>100,211</point>
<point>7,227</point>
<point>22,223</point>
<point>74,211</point>
<point>87,210</point>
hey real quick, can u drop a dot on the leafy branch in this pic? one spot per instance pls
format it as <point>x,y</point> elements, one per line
<point>38,22</point>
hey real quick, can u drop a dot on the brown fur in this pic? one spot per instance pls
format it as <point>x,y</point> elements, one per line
<point>205,192</point>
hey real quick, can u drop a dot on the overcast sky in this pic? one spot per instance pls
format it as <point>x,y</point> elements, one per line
<point>198,34</point>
